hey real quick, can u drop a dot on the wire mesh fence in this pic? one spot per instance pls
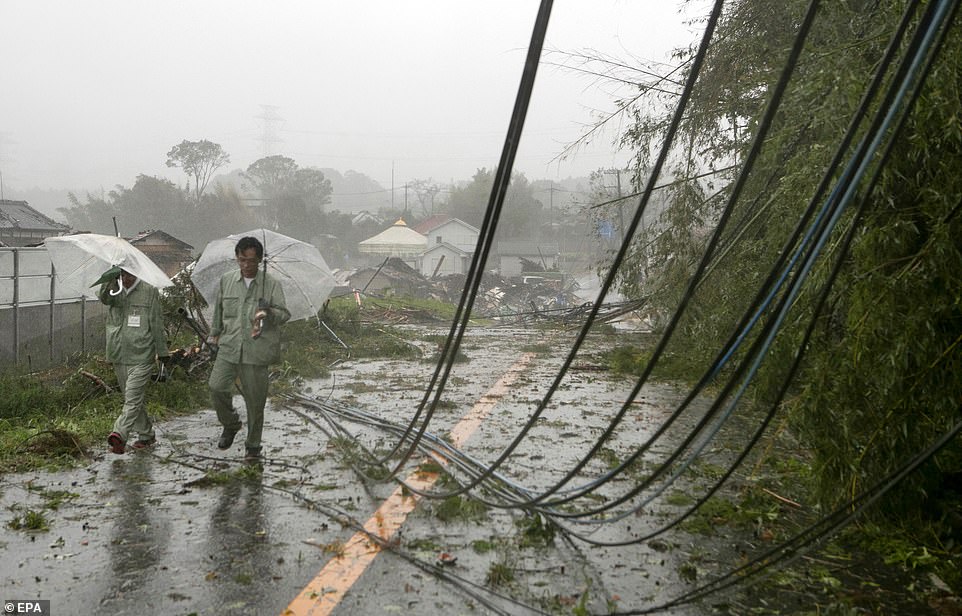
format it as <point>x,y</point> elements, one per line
<point>42,321</point>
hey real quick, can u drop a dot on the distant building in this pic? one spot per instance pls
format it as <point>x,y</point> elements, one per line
<point>443,260</point>
<point>398,240</point>
<point>425,226</point>
<point>512,254</point>
<point>453,231</point>
<point>394,276</point>
<point>450,247</point>
<point>365,217</point>
<point>21,225</point>
<point>169,253</point>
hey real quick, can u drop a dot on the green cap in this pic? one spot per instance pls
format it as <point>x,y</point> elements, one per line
<point>108,276</point>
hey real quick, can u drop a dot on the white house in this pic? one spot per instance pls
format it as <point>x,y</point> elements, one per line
<point>450,245</point>
<point>444,230</point>
<point>443,260</point>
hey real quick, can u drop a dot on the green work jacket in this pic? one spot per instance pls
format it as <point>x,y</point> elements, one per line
<point>135,324</point>
<point>233,319</point>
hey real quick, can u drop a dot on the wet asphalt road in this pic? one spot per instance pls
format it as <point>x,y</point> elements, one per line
<point>152,532</point>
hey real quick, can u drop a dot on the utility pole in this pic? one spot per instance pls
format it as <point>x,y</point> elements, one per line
<point>551,205</point>
<point>562,226</point>
<point>621,208</point>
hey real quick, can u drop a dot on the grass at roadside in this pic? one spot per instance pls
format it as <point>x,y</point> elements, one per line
<point>59,417</point>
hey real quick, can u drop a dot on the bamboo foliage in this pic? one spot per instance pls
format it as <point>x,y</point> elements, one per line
<point>881,375</point>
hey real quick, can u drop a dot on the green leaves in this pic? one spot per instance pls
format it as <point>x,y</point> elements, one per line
<point>880,378</point>
<point>199,160</point>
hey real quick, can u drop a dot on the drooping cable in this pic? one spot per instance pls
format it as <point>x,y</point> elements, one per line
<point>788,262</point>
<point>790,296</point>
<point>662,344</point>
<point>914,71</point>
<point>485,241</point>
<point>609,279</point>
<point>809,537</point>
<point>908,74</point>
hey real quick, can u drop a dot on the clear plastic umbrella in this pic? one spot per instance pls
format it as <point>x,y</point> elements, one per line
<point>80,261</point>
<point>299,267</point>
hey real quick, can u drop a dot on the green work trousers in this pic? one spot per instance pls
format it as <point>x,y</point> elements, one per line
<point>133,379</point>
<point>253,386</point>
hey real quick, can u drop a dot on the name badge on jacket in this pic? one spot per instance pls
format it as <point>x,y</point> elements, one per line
<point>133,320</point>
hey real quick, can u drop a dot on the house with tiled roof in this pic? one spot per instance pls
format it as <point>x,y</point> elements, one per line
<point>169,253</point>
<point>21,225</point>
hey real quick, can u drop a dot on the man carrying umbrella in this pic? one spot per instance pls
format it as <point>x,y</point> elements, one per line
<point>135,339</point>
<point>248,311</point>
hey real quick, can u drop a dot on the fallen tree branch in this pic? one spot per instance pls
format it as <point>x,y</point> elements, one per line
<point>96,379</point>
<point>781,498</point>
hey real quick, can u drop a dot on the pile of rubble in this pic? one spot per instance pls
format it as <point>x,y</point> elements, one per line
<point>521,299</point>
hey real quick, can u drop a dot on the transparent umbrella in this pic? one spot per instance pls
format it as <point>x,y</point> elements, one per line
<point>299,267</point>
<point>81,260</point>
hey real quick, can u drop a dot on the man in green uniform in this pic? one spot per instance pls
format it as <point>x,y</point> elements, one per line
<point>135,340</point>
<point>248,313</point>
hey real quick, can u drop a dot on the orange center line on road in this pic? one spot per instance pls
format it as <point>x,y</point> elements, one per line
<point>325,591</point>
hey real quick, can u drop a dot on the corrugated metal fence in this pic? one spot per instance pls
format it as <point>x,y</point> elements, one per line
<point>42,323</point>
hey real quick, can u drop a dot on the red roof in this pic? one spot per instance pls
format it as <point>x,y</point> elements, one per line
<point>431,223</point>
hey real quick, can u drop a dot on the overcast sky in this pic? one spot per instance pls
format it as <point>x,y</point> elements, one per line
<point>96,92</point>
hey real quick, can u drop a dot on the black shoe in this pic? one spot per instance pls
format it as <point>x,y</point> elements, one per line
<point>227,437</point>
<point>253,453</point>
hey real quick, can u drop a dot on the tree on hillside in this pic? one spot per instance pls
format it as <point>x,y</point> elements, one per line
<point>151,203</point>
<point>294,197</point>
<point>339,238</point>
<point>468,201</point>
<point>271,175</point>
<point>520,214</point>
<point>523,213</point>
<point>95,215</point>
<point>199,160</point>
<point>354,192</point>
<point>312,186</point>
<point>157,204</point>
<point>221,213</point>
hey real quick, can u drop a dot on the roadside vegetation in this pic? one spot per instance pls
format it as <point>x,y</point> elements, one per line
<point>59,417</point>
<point>878,325</point>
